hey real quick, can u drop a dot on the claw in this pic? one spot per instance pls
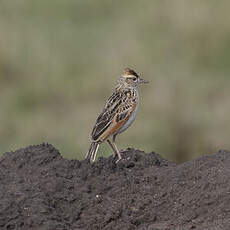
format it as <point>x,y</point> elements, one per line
<point>119,158</point>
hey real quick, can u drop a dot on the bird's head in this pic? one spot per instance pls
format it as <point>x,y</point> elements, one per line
<point>131,79</point>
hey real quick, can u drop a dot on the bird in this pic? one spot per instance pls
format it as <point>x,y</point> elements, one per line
<point>118,114</point>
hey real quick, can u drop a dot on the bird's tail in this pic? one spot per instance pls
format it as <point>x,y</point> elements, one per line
<point>92,152</point>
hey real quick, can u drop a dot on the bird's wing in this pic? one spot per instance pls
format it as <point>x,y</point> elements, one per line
<point>116,112</point>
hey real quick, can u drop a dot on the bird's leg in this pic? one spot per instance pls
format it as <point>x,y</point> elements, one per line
<point>117,150</point>
<point>118,153</point>
<point>111,145</point>
<point>114,148</point>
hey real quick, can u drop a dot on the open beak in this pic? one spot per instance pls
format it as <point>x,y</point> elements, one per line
<point>142,81</point>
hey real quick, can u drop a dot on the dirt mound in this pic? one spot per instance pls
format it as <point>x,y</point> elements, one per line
<point>41,190</point>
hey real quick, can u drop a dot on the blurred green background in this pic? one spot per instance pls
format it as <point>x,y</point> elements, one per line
<point>60,60</point>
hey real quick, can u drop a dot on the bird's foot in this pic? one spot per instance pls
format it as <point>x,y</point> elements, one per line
<point>118,160</point>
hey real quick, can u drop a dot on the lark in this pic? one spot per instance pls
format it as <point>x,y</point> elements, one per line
<point>117,115</point>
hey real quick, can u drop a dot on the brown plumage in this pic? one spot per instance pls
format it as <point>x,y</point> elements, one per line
<point>118,113</point>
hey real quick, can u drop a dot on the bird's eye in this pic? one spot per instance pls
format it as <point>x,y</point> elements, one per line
<point>134,79</point>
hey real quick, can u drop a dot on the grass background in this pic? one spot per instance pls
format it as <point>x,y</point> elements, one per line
<point>60,60</point>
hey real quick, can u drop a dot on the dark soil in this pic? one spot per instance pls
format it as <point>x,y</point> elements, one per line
<point>41,190</point>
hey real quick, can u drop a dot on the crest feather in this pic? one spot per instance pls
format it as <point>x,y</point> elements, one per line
<point>128,72</point>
